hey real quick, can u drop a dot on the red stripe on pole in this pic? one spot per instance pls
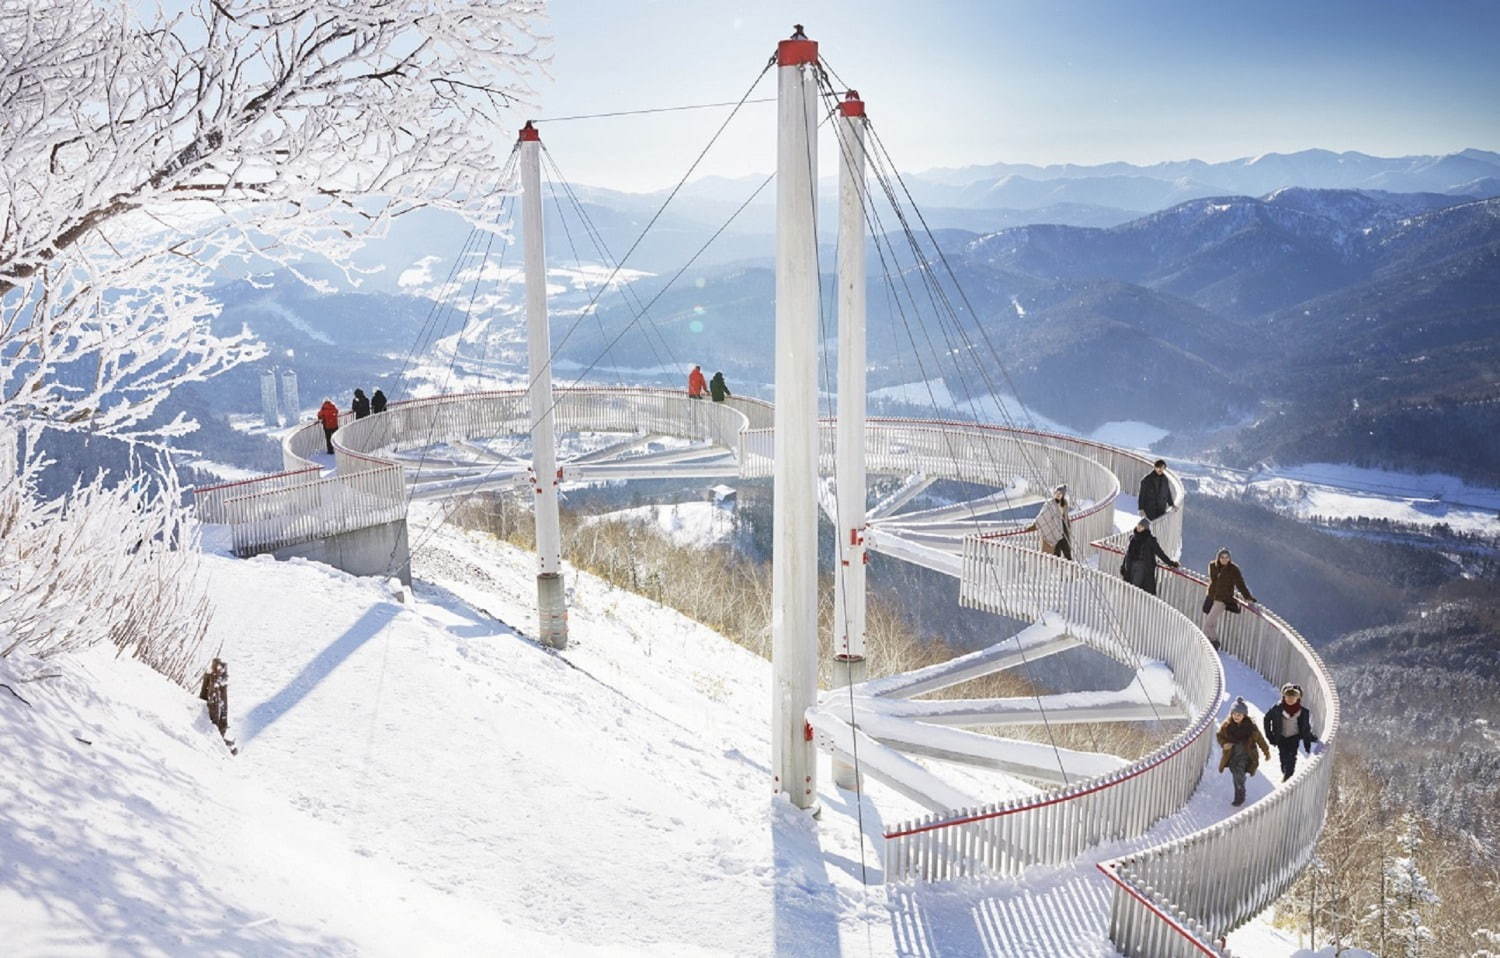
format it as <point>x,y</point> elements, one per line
<point>791,53</point>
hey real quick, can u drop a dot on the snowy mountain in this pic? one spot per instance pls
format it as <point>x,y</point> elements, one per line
<point>1125,184</point>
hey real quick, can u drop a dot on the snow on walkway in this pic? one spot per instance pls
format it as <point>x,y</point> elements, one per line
<point>1058,912</point>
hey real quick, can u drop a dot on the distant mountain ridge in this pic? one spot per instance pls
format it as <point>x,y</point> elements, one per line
<point>1470,172</point>
<point>1302,324</point>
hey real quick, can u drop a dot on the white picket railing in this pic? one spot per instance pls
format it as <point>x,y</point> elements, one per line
<point>1182,897</point>
<point>264,520</point>
<point>366,489</point>
<point>210,501</point>
<point>1122,621</point>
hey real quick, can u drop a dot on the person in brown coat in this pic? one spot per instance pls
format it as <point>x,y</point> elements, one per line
<point>1224,578</point>
<point>1240,739</point>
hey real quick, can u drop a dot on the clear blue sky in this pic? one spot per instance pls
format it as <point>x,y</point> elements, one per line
<point>959,82</point>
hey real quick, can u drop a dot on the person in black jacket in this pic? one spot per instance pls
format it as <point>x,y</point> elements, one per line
<point>1155,497</point>
<point>361,404</point>
<point>1288,724</point>
<point>377,402</point>
<point>1139,565</point>
<point>718,388</point>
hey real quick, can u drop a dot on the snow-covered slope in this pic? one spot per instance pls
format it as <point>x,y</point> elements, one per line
<point>129,830</point>
<point>693,524</point>
<point>418,777</point>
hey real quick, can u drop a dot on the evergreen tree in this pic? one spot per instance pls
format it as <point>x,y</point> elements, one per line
<point>1408,893</point>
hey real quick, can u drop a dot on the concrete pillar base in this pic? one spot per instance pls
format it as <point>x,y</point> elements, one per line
<point>551,610</point>
<point>847,670</point>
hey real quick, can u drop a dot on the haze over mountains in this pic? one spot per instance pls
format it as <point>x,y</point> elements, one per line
<point>1304,307</point>
<point>1127,186</point>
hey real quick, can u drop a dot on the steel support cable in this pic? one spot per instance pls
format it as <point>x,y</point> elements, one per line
<point>878,230</point>
<point>924,267</point>
<point>577,261</point>
<point>994,353</point>
<point>421,340</point>
<point>938,298</point>
<point>964,387</point>
<point>664,204</point>
<point>500,284</point>
<point>1109,610</point>
<point>642,112</point>
<point>433,424</point>
<point>941,304</point>
<point>627,291</point>
<point>694,258</point>
<point>452,281</point>
<point>943,258</point>
<point>847,156</point>
<point>628,294</point>
<point>878,233</point>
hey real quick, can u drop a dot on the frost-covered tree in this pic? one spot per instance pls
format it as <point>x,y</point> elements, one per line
<point>146,150</point>
<point>115,562</point>
<point>1409,896</point>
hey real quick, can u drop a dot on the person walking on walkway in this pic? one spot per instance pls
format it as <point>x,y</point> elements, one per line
<point>1240,739</point>
<point>1288,725</point>
<point>377,402</point>
<point>1224,578</point>
<point>328,415</point>
<point>1139,565</point>
<point>1053,526</point>
<point>1155,496</point>
<point>718,388</point>
<point>361,404</point>
<point>696,384</point>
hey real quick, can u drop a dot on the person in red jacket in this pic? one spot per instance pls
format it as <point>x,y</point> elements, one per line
<point>328,415</point>
<point>696,383</point>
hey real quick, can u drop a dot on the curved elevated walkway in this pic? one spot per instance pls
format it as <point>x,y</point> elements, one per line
<point>1185,879</point>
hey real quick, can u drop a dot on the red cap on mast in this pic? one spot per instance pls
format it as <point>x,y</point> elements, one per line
<point>529,132</point>
<point>852,105</point>
<point>797,50</point>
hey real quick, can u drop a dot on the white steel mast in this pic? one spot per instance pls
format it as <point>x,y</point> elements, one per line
<point>794,551</point>
<point>552,610</point>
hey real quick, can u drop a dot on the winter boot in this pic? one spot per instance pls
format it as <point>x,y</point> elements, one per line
<point>1239,796</point>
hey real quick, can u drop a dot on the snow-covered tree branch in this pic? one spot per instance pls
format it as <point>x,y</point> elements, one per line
<point>107,562</point>
<point>144,154</point>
